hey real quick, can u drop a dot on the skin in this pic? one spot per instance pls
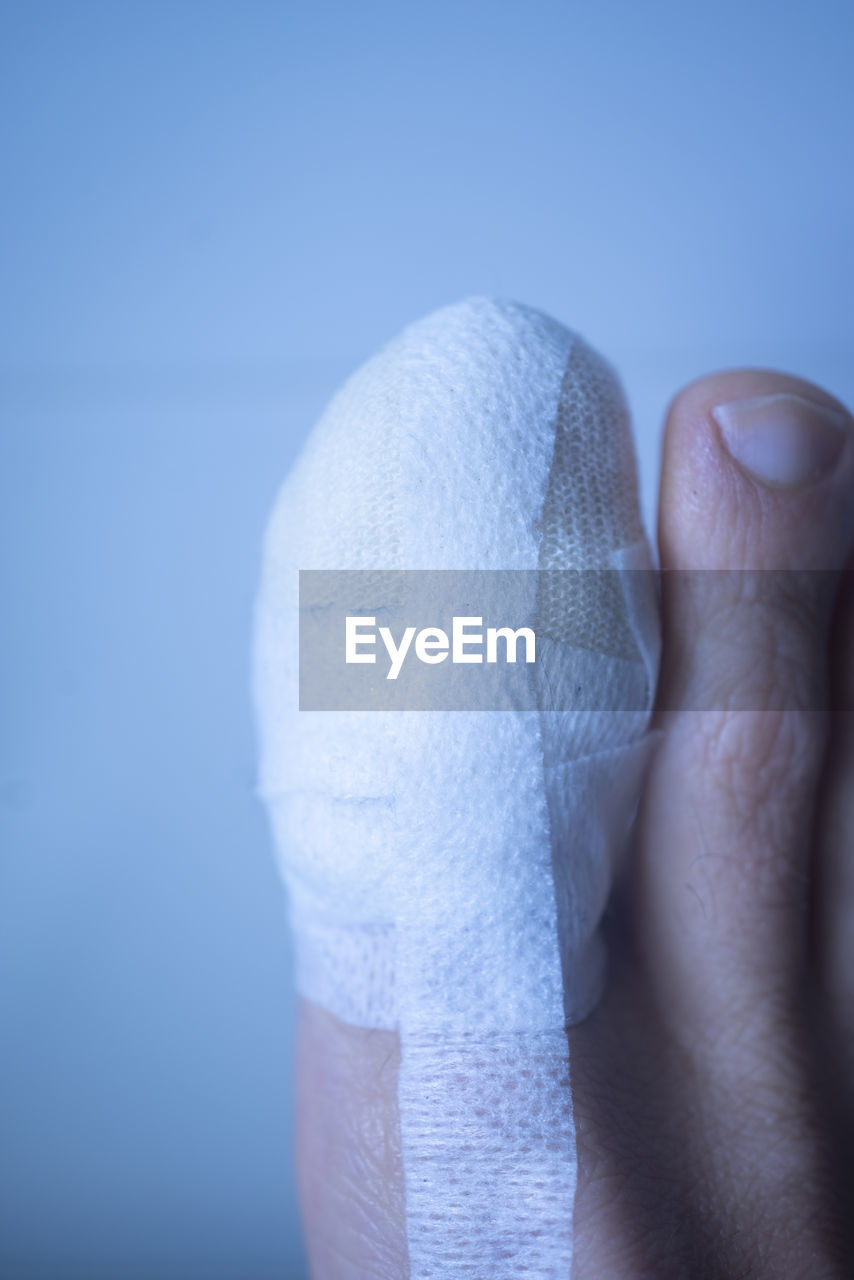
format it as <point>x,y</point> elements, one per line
<point>713,1087</point>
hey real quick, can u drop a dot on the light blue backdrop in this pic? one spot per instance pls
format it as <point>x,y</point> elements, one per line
<point>211,213</point>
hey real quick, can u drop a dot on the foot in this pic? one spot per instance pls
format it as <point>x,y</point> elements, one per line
<point>712,1087</point>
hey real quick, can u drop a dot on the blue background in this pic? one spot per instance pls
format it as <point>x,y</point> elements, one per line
<point>210,214</point>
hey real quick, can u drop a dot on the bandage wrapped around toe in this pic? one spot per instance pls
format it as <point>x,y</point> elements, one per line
<point>447,869</point>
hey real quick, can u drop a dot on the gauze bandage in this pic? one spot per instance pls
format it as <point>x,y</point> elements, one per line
<point>447,870</point>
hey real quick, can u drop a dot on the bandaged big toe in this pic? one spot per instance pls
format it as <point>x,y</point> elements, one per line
<point>447,869</point>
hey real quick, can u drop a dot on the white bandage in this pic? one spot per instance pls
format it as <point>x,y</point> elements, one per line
<point>447,870</point>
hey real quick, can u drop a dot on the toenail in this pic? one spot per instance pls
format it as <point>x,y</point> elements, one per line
<point>782,440</point>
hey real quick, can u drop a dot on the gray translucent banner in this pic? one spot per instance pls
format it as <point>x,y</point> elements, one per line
<point>557,640</point>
